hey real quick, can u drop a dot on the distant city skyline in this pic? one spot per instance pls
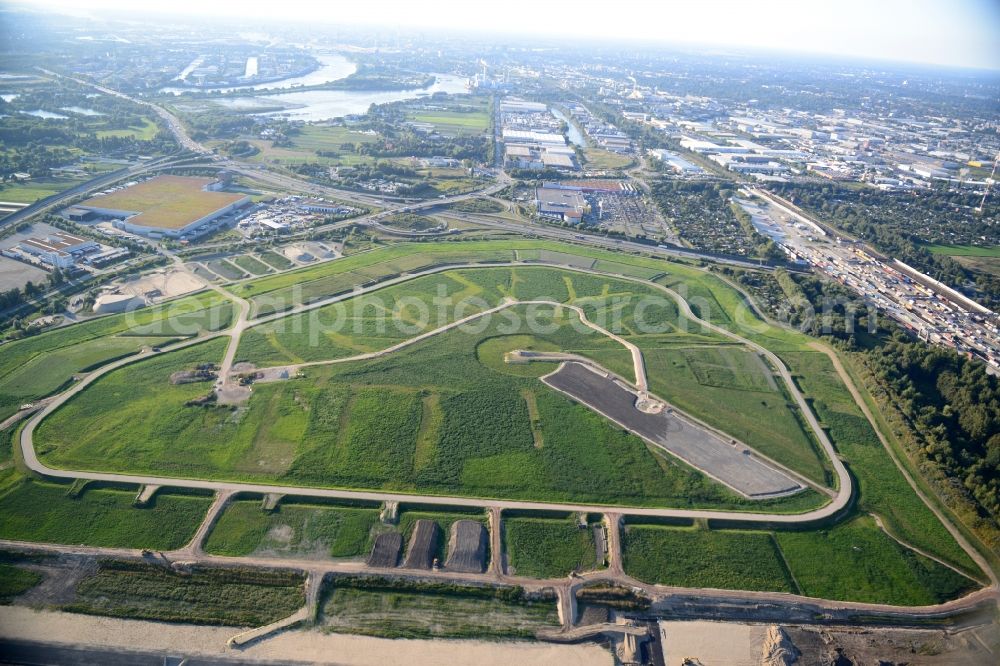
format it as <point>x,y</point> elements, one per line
<point>962,33</point>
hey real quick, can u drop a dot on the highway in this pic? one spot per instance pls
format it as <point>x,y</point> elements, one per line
<point>99,183</point>
<point>575,236</point>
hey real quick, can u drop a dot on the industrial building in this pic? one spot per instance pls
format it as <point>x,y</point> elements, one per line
<point>166,206</point>
<point>59,250</point>
<point>561,204</point>
<point>675,162</point>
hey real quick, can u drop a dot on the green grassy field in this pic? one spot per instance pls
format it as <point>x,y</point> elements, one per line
<point>313,431</point>
<point>45,373</point>
<point>477,206</point>
<point>36,366</point>
<point>856,561</point>
<point>454,122</point>
<point>235,597</point>
<point>276,260</point>
<point>549,548</point>
<point>146,132</point>
<point>455,116</point>
<point>973,257</point>
<point>251,265</point>
<point>598,158</point>
<point>313,283</point>
<point>227,270</point>
<point>692,557</point>
<point>965,250</point>
<point>15,581</point>
<point>853,561</point>
<point>883,490</point>
<point>32,510</point>
<point>33,190</point>
<point>400,609</point>
<point>989,265</point>
<point>293,530</point>
<point>731,388</point>
<point>324,137</point>
<point>337,142</point>
<point>357,425</point>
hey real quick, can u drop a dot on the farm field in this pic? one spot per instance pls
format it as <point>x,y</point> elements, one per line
<point>401,609</point>
<point>32,510</point>
<point>549,548</point>
<point>294,529</point>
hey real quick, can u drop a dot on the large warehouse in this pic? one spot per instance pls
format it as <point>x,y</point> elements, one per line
<point>166,206</point>
<point>561,204</point>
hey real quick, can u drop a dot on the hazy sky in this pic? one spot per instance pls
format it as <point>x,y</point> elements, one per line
<point>948,32</point>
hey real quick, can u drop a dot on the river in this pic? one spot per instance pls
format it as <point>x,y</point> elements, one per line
<point>333,67</point>
<point>317,105</point>
<point>572,132</point>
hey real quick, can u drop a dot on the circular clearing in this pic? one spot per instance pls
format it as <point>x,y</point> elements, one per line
<point>491,352</point>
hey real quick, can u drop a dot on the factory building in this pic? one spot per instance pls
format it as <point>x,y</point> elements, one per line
<point>60,250</point>
<point>560,204</point>
<point>166,206</point>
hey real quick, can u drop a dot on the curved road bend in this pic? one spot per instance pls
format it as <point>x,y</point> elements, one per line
<point>949,523</point>
<point>839,502</point>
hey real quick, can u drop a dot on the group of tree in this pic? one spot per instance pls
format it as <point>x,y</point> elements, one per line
<point>703,213</point>
<point>953,409</point>
<point>943,405</point>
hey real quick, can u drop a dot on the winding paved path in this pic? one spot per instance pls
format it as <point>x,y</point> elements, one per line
<point>839,503</point>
